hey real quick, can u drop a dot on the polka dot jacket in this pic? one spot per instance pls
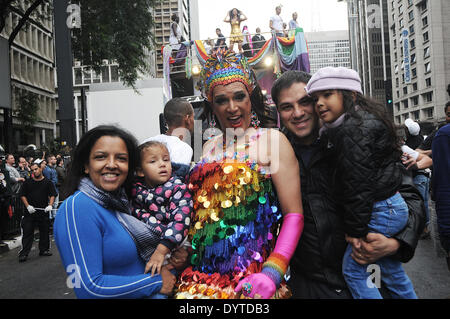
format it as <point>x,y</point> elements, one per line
<point>168,208</point>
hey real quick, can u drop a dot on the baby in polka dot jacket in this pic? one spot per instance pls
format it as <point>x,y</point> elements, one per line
<point>161,200</point>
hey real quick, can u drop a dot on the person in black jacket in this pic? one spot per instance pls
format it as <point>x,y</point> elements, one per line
<point>5,196</point>
<point>258,40</point>
<point>367,174</point>
<point>316,268</point>
<point>413,136</point>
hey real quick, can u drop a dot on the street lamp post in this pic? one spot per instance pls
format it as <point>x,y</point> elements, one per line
<point>64,72</point>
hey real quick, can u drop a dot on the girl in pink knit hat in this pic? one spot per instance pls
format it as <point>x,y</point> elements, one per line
<point>367,178</point>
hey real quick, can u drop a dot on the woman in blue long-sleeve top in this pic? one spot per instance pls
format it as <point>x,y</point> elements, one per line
<point>100,252</point>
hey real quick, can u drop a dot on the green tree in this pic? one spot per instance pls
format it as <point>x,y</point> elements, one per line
<point>27,112</point>
<point>26,11</point>
<point>116,30</point>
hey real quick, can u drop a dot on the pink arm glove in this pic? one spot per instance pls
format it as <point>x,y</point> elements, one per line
<point>290,233</point>
<point>266,282</point>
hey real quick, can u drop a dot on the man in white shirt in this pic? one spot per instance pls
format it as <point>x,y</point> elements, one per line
<point>276,23</point>
<point>179,116</point>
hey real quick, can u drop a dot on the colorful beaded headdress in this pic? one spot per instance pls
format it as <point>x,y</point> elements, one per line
<point>224,67</point>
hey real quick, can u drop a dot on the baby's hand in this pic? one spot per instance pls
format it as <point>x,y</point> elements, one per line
<point>155,263</point>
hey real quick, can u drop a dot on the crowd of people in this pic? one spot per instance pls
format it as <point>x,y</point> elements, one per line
<point>249,43</point>
<point>30,190</point>
<point>295,212</point>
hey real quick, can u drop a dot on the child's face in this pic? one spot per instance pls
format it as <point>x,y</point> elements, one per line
<point>329,105</point>
<point>156,167</point>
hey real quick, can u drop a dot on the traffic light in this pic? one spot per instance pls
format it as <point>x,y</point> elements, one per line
<point>388,91</point>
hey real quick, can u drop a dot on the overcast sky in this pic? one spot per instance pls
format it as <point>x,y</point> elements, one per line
<point>313,15</point>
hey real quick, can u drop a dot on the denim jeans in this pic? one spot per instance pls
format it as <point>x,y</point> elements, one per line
<point>388,218</point>
<point>422,183</point>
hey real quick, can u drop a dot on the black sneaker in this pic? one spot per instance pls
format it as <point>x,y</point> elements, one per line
<point>23,258</point>
<point>45,253</point>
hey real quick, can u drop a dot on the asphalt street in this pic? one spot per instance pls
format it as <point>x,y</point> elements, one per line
<point>45,278</point>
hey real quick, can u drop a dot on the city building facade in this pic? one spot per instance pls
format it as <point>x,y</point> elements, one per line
<point>369,47</point>
<point>420,42</point>
<point>328,48</point>
<point>32,63</point>
<point>163,19</point>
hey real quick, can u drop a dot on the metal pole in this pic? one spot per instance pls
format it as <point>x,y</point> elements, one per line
<point>64,73</point>
<point>6,94</point>
<point>83,111</point>
<point>361,42</point>
<point>382,41</point>
<point>369,57</point>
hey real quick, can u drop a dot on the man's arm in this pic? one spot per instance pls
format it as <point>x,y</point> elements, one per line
<point>424,152</point>
<point>51,201</point>
<point>373,247</point>
<point>24,201</point>
<point>421,162</point>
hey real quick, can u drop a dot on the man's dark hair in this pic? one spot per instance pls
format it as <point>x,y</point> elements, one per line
<point>286,81</point>
<point>218,29</point>
<point>38,165</point>
<point>83,149</point>
<point>175,110</point>
<point>446,106</point>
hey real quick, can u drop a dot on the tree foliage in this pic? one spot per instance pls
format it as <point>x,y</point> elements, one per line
<point>26,9</point>
<point>116,30</point>
<point>27,112</point>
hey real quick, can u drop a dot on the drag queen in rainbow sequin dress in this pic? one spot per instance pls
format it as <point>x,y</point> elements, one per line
<point>245,188</point>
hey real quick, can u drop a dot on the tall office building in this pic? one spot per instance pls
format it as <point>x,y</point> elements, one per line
<point>328,48</point>
<point>420,42</point>
<point>163,19</point>
<point>369,46</point>
<point>32,61</point>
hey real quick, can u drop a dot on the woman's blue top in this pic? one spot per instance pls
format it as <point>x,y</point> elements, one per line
<point>99,255</point>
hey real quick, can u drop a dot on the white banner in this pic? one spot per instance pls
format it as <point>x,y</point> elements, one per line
<point>406,56</point>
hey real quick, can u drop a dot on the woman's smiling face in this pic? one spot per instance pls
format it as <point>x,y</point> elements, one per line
<point>232,106</point>
<point>108,163</point>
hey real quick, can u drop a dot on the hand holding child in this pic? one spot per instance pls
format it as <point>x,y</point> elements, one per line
<point>156,261</point>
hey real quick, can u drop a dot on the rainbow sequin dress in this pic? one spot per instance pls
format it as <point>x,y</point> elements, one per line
<point>233,231</point>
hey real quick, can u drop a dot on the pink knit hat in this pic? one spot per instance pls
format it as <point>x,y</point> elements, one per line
<point>330,78</point>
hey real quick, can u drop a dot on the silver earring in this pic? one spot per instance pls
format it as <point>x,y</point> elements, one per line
<point>212,130</point>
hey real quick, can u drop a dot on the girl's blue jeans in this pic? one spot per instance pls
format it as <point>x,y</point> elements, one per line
<point>388,218</point>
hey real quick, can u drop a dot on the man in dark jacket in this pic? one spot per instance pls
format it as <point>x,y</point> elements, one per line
<point>221,41</point>
<point>414,140</point>
<point>316,267</point>
<point>413,136</point>
<point>441,185</point>
<point>5,195</point>
<point>258,40</point>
